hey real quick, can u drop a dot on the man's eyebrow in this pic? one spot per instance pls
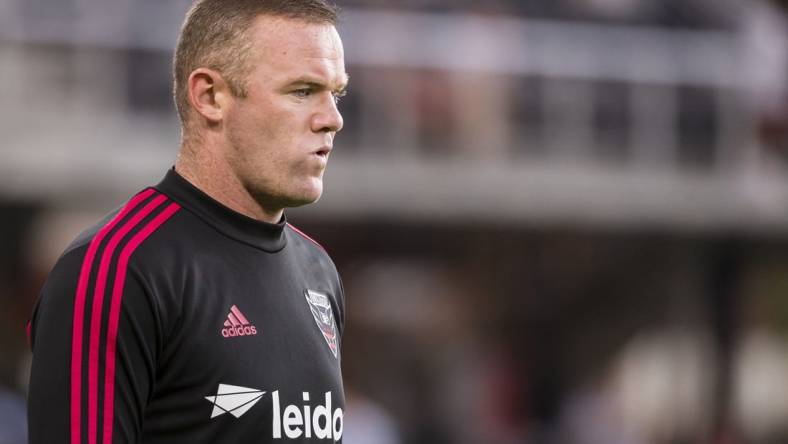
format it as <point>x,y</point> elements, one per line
<point>317,84</point>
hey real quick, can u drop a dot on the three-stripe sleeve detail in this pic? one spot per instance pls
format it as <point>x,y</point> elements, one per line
<point>103,269</point>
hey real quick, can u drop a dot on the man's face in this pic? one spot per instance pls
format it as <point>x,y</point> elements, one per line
<point>281,133</point>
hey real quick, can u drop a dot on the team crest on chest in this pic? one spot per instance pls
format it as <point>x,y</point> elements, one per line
<point>320,306</point>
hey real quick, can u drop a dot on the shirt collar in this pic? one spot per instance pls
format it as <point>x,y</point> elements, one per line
<point>263,235</point>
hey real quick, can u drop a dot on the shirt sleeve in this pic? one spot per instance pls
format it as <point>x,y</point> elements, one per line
<point>95,341</point>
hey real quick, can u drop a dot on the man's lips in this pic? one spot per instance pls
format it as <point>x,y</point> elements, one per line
<point>323,151</point>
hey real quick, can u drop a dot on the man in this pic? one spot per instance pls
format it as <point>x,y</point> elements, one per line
<point>196,313</point>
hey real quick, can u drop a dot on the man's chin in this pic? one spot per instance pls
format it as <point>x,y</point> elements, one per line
<point>300,203</point>
<point>306,197</point>
<point>291,199</point>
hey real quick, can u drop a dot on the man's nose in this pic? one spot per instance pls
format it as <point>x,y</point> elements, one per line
<point>328,118</point>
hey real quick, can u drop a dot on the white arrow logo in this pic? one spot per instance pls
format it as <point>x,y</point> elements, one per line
<point>233,399</point>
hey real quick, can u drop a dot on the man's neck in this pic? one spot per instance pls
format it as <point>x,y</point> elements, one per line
<point>214,177</point>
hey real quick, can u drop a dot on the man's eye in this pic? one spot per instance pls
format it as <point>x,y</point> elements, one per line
<point>302,93</point>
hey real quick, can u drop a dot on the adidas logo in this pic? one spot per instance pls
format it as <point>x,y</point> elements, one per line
<point>237,324</point>
<point>233,399</point>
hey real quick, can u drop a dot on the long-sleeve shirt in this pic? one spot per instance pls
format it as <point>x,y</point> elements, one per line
<point>177,320</point>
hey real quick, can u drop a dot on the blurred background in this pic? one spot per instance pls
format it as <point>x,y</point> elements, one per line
<point>558,222</point>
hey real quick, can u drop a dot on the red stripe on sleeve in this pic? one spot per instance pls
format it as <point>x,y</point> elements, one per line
<point>79,314</point>
<point>114,316</point>
<point>98,305</point>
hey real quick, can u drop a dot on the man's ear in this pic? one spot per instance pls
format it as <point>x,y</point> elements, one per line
<point>208,94</point>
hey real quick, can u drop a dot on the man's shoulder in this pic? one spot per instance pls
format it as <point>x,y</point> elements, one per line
<point>306,242</point>
<point>143,212</point>
<point>122,231</point>
<point>313,256</point>
<point>84,238</point>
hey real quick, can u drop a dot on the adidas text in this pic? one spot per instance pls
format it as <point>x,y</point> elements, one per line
<point>239,331</point>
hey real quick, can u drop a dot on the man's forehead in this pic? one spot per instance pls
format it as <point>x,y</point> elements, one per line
<point>309,39</point>
<point>299,50</point>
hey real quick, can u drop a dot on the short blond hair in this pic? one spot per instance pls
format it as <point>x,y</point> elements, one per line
<point>214,35</point>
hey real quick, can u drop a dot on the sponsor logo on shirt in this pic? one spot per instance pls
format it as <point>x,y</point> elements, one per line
<point>237,324</point>
<point>291,421</point>
<point>320,306</point>
<point>233,399</point>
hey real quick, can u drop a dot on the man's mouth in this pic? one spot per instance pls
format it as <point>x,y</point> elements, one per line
<point>323,152</point>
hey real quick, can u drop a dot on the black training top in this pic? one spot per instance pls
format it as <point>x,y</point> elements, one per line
<point>177,320</point>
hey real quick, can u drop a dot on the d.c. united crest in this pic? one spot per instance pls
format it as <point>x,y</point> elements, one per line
<point>324,317</point>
